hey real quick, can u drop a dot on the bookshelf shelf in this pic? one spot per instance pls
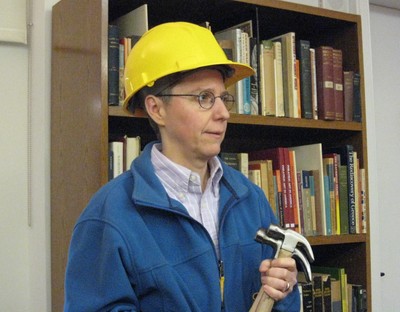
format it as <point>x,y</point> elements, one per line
<point>82,121</point>
<point>117,111</point>
<point>337,239</point>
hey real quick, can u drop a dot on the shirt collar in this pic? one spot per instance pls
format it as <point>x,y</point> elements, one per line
<point>165,167</point>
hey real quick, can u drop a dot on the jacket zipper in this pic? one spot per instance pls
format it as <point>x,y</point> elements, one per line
<point>221,281</point>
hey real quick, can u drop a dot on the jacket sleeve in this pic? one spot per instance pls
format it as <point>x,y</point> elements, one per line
<point>96,278</point>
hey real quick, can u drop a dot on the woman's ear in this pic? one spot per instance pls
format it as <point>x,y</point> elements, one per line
<point>155,109</point>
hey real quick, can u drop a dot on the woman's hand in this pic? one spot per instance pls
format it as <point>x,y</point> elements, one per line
<point>278,277</point>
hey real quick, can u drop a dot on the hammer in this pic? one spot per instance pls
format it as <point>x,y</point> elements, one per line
<point>286,243</point>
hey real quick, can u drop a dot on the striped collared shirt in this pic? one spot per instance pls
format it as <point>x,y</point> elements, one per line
<point>184,186</point>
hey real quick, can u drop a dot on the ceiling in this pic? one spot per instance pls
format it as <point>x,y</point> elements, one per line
<point>394,4</point>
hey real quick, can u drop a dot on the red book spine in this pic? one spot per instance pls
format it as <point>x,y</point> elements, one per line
<point>338,83</point>
<point>325,85</point>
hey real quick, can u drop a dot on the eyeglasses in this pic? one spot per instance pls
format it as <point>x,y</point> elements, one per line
<point>206,99</point>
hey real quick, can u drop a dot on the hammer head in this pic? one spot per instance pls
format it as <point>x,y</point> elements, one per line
<point>289,241</point>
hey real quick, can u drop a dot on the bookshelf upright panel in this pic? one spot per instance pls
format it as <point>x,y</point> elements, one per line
<point>79,128</point>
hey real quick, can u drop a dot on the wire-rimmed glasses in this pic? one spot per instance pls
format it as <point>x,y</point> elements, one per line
<point>206,99</point>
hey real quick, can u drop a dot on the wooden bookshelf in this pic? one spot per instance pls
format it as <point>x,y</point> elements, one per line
<point>82,121</point>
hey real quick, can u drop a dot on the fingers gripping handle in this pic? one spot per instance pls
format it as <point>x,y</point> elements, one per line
<point>263,302</point>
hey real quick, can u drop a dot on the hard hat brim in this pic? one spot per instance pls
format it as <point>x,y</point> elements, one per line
<point>241,71</point>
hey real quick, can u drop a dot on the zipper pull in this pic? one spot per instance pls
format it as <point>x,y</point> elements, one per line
<point>221,279</point>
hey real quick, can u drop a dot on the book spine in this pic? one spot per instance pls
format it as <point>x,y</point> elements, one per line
<point>356,98</point>
<point>279,97</point>
<point>351,186</point>
<point>344,200</point>
<point>314,91</point>
<point>291,50</point>
<point>307,208</point>
<point>348,78</point>
<point>268,104</point>
<point>245,58</point>
<point>254,79</point>
<point>113,65</point>
<point>338,83</point>
<point>325,86</point>
<point>303,52</point>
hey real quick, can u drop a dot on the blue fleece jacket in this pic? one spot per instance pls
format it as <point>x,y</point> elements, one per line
<point>135,249</point>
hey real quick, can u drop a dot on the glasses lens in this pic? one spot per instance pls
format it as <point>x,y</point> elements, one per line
<point>206,99</point>
<point>228,100</point>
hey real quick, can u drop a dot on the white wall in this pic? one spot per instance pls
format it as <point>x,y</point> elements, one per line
<point>24,237</point>
<point>14,242</point>
<point>25,250</point>
<point>385,26</point>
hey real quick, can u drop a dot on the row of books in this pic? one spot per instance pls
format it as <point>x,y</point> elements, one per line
<point>295,80</point>
<point>121,153</point>
<point>311,190</point>
<point>123,33</point>
<point>330,291</point>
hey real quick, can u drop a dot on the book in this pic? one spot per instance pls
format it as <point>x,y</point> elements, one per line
<point>134,22</point>
<point>336,209</point>
<point>303,53</point>
<point>318,303</point>
<point>255,177</point>
<point>280,161</point>
<point>245,59</point>
<point>295,193</point>
<point>327,192</point>
<point>254,79</point>
<point>314,92</point>
<point>309,157</point>
<point>228,47</point>
<point>356,97</point>
<point>326,292</point>
<point>348,101</point>
<point>339,274</point>
<point>288,43</point>
<point>121,86</point>
<point>357,198</point>
<point>331,170</point>
<point>344,200</point>
<point>279,97</point>
<point>113,65</point>
<point>325,86</point>
<point>306,296</point>
<point>116,149</point>
<point>347,159</point>
<point>267,78</point>
<point>337,57</point>
<point>336,296</point>
<point>132,150</point>
<point>238,161</point>
<point>278,197</point>
<point>261,166</point>
<point>309,217</point>
<point>298,78</point>
<point>363,192</point>
<point>267,177</point>
<point>235,36</point>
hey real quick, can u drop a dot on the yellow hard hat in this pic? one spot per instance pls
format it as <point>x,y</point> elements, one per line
<point>171,48</point>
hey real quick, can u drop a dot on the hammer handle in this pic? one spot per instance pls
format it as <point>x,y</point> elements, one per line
<point>264,303</point>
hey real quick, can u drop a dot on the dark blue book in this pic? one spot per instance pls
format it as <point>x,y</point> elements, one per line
<point>303,53</point>
<point>113,65</point>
